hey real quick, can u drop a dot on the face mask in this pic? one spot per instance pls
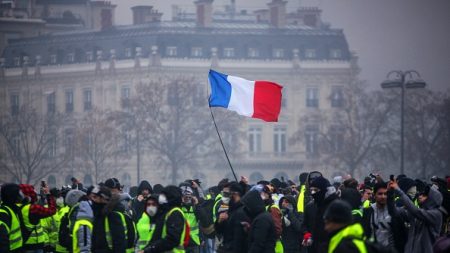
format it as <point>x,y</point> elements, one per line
<point>162,199</point>
<point>412,192</point>
<point>60,202</point>
<point>151,210</point>
<point>226,200</point>
<point>290,207</point>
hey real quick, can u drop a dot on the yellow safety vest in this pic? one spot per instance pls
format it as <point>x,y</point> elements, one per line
<point>366,203</point>
<point>216,202</point>
<point>37,233</point>
<point>193,224</point>
<point>301,199</point>
<point>354,231</point>
<point>278,244</point>
<point>76,227</point>
<point>357,212</point>
<point>108,232</point>
<point>59,214</point>
<point>14,232</point>
<point>180,247</point>
<point>145,230</point>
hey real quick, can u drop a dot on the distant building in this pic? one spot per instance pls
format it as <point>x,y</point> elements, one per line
<point>311,60</point>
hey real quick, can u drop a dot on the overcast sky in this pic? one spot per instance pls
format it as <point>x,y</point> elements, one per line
<point>385,34</point>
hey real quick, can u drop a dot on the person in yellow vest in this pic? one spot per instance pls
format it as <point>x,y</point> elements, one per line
<point>62,210</point>
<point>346,237</point>
<point>10,235</point>
<point>367,196</point>
<point>82,228</point>
<point>108,231</point>
<point>302,198</point>
<point>32,213</point>
<point>276,214</point>
<point>146,224</point>
<point>171,226</point>
<point>189,207</point>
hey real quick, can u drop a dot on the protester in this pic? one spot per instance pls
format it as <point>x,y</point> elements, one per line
<point>292,225</point>
<point>11,239</point>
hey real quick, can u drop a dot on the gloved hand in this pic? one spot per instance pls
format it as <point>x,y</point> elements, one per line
<point>307,239</point>
<point>287,222</point>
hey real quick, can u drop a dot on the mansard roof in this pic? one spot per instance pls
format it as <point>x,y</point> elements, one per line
<point>184,36</point>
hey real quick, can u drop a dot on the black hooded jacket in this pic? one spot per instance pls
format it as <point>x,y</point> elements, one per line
<point>110,212</point>
<point>174,223</point>
<point>291,234</point>
<point>138,207</point>
<point>262,235</point>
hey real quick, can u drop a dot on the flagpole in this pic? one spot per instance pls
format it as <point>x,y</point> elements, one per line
<point>220,138</point>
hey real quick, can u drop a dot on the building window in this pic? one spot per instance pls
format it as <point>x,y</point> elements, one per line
<point>336,136</point>
<point>310,53</point>
<point>16,61</point>
<point>89,56</point>
<point>335,54</point>
<point>253,52</point>
<point>69,100</point>
<point>278,53</point>
<point>171,51</point>
<point>312,97</point>
<point>279,140</point>
<point>53,59</point>
<point>311,140</point>
<point>337,97</point>
<point>254,139</point>
<point>196,52</point>
<point>87,99</point>
<point>125,97</point>
<point>51,103</point>
<point>127,52</point>
<point>70,57</point>
<point>15,104</point>
<point>68,140</point>
<point>51,150</point>
<point>228,52</point>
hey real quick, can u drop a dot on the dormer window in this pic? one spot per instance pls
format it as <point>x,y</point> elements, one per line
<point>196,52</point>
<point>70,57</point>
<point>228,52</point>
<point>16,61</point>
<point>171,51</point>
<point>278,53</point>
<point>335,54</point>
<point>89,56</point>
<point>310,53</point>
<point>253,52</point>
<point>127,52</point>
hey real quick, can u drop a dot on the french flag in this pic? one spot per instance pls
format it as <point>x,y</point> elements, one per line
<point>256,99</point>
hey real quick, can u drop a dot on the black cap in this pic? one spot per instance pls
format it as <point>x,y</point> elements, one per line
<point>339,212</point>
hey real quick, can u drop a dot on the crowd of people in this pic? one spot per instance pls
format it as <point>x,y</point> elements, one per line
<point>316,215</point>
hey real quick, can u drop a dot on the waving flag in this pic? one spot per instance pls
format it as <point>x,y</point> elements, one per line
<point>256,99</point>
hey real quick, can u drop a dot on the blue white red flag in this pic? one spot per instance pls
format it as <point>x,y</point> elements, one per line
<point>256,99</point>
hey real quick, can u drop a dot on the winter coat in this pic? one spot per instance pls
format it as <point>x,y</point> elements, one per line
<point>174,223</point>
<point>425,222</point>
<point>138,207</point>
<point>313,223</point>
<point>99,243</point>
<point>232,230</point>
<point>291,234</point>
<point>262,235</point>
<point>84,234</point>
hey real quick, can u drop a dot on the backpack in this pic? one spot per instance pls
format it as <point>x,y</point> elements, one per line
<point>66,227</point>
<point>206,218</point>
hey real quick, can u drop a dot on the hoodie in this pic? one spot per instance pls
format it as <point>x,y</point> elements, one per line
<point>425,221</point>
<point>84,233</point>
<point>262,235</point>
<point>138,207</point>
<point>292,226</point>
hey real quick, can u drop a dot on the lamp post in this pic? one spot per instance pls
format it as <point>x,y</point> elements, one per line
<point>403,80</point>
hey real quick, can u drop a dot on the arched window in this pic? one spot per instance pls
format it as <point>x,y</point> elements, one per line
<point>51,181</point>
<point>255,177</point>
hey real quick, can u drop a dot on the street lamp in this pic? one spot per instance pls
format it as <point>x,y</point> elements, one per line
<point>405,80</point>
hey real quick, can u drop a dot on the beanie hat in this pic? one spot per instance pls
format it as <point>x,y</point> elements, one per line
<point>113,183</point>
<point>236,187</point>
<point>275,182</point>
<point>339,212</point>
<point>302,178</point>
<point>10,193</point>
<point>406,183</point>
<point>102,191</point>
<point>321,183</point>
<point>73,196</point>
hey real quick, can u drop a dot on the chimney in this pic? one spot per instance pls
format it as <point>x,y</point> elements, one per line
<point>145,14</point>
<point>277,12</point>
<point>204,13</point>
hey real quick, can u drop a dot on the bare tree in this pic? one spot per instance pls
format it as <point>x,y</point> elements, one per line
<point>30,145</point>
<point>99,146</point>
<point>175,124</point>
